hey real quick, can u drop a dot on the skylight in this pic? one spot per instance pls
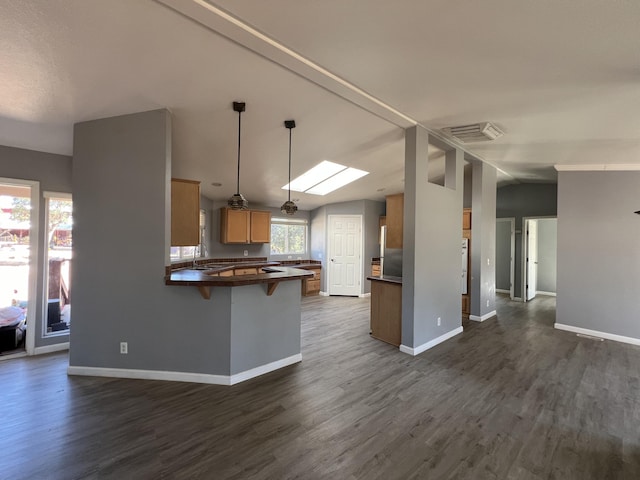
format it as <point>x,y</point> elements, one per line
<point>325,178</point>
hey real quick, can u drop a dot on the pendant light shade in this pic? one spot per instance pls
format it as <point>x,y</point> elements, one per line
<point>289,207</point>
<point>237,200</point>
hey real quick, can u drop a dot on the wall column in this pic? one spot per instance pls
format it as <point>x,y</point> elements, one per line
<point>483,242</point>
<point>431,310</point>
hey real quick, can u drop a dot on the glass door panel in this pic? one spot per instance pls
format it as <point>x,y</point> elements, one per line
<point>58,263</point>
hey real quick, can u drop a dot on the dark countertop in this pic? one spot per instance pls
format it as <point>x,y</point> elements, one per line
<point>202,278</point>
<point>386,279</point>
<point>304,266</point>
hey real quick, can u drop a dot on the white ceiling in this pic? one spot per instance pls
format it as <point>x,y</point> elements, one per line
<point>562,79</point>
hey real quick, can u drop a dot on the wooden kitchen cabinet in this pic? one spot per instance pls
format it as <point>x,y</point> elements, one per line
<point>466,219</point>
<point>244,226</point>
<point>394,218</point>
<point>376,270</point>
<point>311,285</point>
<point>260,226</point>
<point>386,311</point>
<point>185,212</point>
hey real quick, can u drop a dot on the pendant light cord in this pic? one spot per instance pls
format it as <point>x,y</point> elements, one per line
<point>289,164</point>
<point>238,177</point>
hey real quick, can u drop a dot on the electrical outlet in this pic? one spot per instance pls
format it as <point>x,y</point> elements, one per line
<point>439,321</point>
<point>487,303</point>
<point>124,348</point>
<point>246,253</point>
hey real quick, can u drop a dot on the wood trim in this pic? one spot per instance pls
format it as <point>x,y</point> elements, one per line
<point>271,287</point>
<point>205,292</point>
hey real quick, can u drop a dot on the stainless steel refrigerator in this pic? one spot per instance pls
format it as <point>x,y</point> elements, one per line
<point>390,258</point>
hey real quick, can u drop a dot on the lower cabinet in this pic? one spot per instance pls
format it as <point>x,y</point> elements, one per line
<point>245,271</point>
<point>311,285</point>
<point>386,312</point>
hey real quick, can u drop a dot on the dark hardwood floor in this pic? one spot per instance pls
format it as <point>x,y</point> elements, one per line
<point>510,398</point>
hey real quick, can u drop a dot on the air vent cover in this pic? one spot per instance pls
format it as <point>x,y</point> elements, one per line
<point>477,132</point>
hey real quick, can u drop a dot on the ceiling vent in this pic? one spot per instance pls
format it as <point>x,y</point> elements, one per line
<point>477,132</point>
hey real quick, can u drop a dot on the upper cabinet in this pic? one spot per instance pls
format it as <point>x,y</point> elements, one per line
<point>244,226</point>
<point>260,227</point>
<point>394,218</point>
<point>466,219</point>
<point>185,212</point>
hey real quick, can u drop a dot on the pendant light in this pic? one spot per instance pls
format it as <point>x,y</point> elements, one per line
<point>289,207</point>
<point>237,201</point>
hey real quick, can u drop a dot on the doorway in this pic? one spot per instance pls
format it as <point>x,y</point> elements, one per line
<point>540,256</point>
<point>345,255</point>
<point>505,255</point>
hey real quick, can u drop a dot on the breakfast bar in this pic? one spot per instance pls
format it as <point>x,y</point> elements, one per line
<point>256,308</point>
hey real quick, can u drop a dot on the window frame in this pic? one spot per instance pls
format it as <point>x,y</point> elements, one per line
<point>287,222</point>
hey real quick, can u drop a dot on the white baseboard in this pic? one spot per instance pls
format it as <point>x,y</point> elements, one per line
<point>596,333</point>
<point>365,295</point>
<point>261,370</point>
<point>426,346</point>
<point>500,290</point>
<point>323,294</point>
<point>183,376</point>
<point>58,347</point>
<point>484,317</point>
<point>549,294</point>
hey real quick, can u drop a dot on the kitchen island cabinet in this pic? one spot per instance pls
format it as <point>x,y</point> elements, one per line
<point>386,309</point>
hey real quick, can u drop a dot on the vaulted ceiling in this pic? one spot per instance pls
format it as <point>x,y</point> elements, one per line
<point>562,79</point>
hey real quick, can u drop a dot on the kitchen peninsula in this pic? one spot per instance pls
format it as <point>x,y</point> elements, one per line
<point>255,305</point>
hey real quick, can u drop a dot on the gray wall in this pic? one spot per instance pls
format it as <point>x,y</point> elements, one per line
<point>547,254</point>
<point>54,174</point>
<point>431,245</point>
<point>503,255</point>
<point>121,185</point>
<point>483,239</point>
<point>250,310</point>
<point>525,200</point>
<point>370,211</point>
<point>598,254</point>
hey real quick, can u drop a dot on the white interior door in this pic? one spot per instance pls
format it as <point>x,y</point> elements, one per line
<point>345,257</point>
<point>532,259</point>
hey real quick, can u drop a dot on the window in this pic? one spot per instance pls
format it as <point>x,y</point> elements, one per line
<point>182,253</point>
<point>288,236</point>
